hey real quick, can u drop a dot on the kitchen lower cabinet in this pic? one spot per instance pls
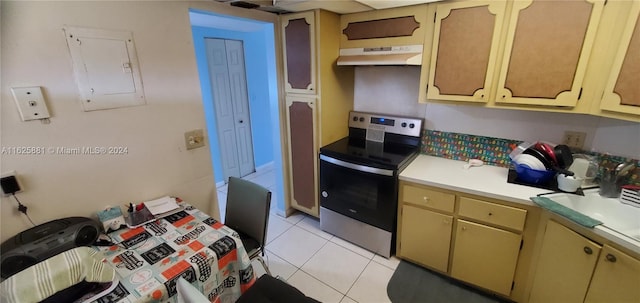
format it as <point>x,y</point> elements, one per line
<point>564,267</point>
<point>573,268</point>
<point>485,256</point>
<point>426,237</point>
<point>616,278</point>
<point>467,238</point>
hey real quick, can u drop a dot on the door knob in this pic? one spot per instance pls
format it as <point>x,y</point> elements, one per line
<point>588,250</point>
<point>611,258</point>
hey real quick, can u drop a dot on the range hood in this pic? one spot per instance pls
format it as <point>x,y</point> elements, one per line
<point>388,55</point>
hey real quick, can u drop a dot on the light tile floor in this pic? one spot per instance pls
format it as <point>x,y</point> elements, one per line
<point>322,266</point>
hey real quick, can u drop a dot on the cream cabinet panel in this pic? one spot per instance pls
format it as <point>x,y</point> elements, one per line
<point>485,256</point>
<point>616,278</point>
<point>386,27</point>
<point>622,91</point>
<point>428,198</point>
<point>501,215</point>
<point>302,142</point>
<point>299,49</point>
<point>425,237</point>
<point>464,51</point>
<point>546,51</point>
<point>565,266</point>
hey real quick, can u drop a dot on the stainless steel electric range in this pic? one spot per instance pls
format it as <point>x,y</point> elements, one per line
<point>359,179</point>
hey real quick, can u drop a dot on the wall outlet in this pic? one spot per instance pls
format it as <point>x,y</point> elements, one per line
<point>574,139</point>
<point>194,139</point>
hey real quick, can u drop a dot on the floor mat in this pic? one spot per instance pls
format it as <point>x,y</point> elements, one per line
<point>412,283</point>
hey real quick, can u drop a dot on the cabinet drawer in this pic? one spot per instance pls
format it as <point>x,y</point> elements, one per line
<point>497,214</point>
<point>429,198</point>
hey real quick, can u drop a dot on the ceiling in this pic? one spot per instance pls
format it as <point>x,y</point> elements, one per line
<point>337,6</point>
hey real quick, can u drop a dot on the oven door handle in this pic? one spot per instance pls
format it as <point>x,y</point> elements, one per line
<point>362,168</point>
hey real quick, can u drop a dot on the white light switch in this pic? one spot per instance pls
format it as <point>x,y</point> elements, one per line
<point>30,103</point>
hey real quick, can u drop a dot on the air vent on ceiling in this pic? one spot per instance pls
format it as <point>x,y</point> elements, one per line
<point>244,4</point>
<point>262,5</point>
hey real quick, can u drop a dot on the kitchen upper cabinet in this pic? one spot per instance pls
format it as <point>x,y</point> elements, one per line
<point>622,90</point>
<point>388,27</point>
<point>464,50</point>
<point>616,278</point>
<point>302,138</point>
<point>298,36</point>
<point>485,256</point>
<point>318,98</point>
<point>564,267</point>
<point>546,51</point>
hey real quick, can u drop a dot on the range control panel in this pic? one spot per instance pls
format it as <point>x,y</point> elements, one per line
<point>390,124</point>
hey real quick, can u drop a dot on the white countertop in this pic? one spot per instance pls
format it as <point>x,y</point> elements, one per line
<point>488,181</point>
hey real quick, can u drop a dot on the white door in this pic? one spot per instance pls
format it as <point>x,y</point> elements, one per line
<point>231,104</point>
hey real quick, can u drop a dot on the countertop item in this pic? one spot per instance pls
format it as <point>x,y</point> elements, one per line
<point>568,183</point>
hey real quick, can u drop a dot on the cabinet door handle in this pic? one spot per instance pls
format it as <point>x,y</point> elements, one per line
<point>464,228</point>
<point>425,198</point>
<point>490,214</point>
<point>588,250</point>
<point>611,258</point>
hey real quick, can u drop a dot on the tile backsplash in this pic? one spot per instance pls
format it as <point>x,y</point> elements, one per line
<point>495,151</point>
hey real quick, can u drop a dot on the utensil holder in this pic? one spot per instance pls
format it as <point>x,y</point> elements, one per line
<point>608,186</point>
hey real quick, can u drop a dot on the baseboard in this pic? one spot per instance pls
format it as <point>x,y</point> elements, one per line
<point>266,166</point>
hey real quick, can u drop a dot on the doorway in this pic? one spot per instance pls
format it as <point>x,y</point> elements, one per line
<point>259,44</point>
<point>231,105</point>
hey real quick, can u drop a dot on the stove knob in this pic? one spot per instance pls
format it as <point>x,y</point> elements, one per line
<point>355,119</point>
<point>404,124</point>
<point>361,119</point>
<point>412,125</point>
<point>325,194</point>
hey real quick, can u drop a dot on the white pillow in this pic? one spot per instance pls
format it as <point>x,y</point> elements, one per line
<point>59,272</point>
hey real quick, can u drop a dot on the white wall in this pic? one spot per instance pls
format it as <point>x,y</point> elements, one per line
<point>394,90</point>
<point>34,53</point>
<point>387,89</point>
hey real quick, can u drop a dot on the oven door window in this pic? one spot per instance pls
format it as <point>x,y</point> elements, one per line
<point>366,196</point>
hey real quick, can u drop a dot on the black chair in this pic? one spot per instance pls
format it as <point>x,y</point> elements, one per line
<point>248,213</point>
<point>268,289</point>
